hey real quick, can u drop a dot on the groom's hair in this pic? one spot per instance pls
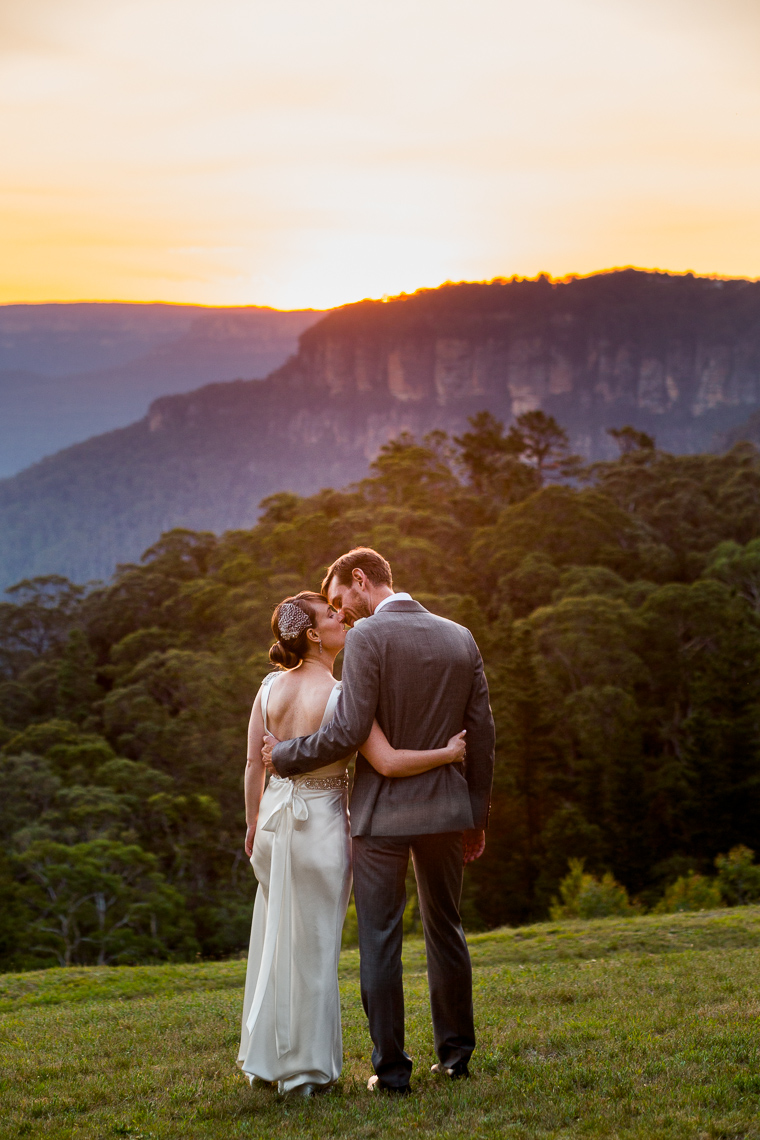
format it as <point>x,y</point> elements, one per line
<point>377,568</point>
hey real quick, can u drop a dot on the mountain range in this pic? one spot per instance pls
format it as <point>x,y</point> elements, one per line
<point>71,371</point>
<point>675,356</point>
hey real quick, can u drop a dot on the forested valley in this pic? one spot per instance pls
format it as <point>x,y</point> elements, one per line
<point>617,606</point>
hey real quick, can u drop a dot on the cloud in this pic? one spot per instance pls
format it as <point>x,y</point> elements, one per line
<point>40,27</point>
<point>285,152</point>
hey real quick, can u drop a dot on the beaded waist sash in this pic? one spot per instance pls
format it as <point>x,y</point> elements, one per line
<point>323,783</point>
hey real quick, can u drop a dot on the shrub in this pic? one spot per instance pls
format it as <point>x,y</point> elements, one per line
<point>738,876</point>
<point>690,892</point>
<point>584,896</point>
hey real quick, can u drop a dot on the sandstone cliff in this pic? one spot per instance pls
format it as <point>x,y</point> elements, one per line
<point>678,357</point>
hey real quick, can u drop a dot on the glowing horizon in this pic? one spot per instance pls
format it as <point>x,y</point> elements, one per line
<point>565,278</point>
<point>297,157</point>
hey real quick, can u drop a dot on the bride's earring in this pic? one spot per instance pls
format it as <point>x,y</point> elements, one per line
<point>320,646</point>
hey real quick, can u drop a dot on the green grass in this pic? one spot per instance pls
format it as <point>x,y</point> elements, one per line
<point>642,1027</point>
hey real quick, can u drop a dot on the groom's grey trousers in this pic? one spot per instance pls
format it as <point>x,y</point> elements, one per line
<point>380,865</point>
<point>422,678</point>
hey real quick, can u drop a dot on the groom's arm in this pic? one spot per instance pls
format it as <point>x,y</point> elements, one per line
<point>481,743</point>
<point>353,719</point>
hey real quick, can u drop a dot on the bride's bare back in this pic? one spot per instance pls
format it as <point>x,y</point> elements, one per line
<point>297,701</point>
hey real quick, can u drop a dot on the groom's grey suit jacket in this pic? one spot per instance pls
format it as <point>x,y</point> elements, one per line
<point>422,677</point>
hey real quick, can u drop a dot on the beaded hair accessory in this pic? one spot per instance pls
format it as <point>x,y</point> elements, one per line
<point>292,621</point>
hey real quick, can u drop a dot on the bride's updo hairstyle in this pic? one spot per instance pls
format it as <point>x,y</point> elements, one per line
<point>290,621</point>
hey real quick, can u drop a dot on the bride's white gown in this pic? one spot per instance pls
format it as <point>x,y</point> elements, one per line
<point>302,859</point>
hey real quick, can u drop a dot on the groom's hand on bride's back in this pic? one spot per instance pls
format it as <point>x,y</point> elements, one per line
<point>266,753</point>
<point>473,845</point>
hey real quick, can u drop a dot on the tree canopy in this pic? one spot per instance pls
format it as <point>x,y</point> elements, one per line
<point>618,611</point>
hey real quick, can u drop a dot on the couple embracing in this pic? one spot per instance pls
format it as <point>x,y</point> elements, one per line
<point>413,692</point>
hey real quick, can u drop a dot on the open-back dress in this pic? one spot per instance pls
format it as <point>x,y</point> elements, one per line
<point>291,1029</point>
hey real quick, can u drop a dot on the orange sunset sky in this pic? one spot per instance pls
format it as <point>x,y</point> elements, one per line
<point>312,152</point>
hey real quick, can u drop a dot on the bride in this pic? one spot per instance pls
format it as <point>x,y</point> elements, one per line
<point>299,845</point>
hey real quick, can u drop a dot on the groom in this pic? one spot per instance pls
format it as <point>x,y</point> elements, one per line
<point>422,677</point>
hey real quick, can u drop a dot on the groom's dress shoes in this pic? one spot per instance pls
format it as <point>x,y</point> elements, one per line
<point>456,1072</point>
<point>374,1084</point>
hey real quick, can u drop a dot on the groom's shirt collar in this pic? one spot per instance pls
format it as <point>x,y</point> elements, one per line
<point>400,597</point>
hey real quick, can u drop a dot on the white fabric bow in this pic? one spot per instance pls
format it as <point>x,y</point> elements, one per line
<point>288,807</point>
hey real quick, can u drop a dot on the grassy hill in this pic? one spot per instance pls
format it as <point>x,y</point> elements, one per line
<point>642,1027</point>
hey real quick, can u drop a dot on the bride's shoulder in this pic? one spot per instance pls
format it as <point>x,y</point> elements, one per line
<point>270,677</point>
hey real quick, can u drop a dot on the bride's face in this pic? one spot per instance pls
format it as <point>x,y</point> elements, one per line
<point>330,630</point>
